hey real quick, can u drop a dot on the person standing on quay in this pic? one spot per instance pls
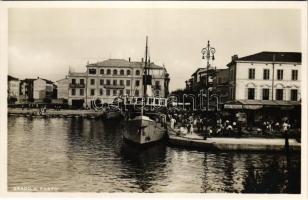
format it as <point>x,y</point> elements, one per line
<point>285,127</point>
<point>172,122</point>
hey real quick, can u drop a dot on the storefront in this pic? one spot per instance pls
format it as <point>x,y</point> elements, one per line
<point>257,111</point>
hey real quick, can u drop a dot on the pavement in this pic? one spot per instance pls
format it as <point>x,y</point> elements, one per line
<point>239,141</point>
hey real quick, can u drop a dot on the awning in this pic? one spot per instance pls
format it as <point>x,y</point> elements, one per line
<point>252,107</point>
<point>233,106</point>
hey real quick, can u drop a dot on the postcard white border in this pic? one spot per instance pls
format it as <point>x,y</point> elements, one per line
<point>4,6</point>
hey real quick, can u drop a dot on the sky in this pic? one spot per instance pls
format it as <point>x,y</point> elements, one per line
<point>46,42</point>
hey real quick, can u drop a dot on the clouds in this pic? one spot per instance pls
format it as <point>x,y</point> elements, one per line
<point>48,41</point>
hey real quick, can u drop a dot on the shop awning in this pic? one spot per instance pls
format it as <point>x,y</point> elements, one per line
<point>233,106</point>
<point>258,104</point>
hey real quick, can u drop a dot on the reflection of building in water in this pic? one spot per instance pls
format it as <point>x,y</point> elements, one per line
<point>111,78</point>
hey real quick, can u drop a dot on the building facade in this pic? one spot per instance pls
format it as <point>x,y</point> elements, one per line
<point>266,76</point>
<point>112,78</point>
<point>36,90</point>
<point>13,88</point>
<point>62,88</point>
<point>266,86</point>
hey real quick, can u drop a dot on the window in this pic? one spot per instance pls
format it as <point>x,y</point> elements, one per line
<point>293,95</point>
<point>82,81</point>
<point>115,82</point>
<point>92,92</point>
<point>115,72</point>
<point>265,74</point>
<point>73,92</point>
<point>107,82</point>
<point>137,72</point>
<point>128,92</point>
<point>92,71</point>
<point>137,83</point>
<point>114,92</point>
<point>251,93</point>
<point>81,92</point>
<point>157,83</point>
<point>101,81</point>
<point>137,93</point>
<point>108,92</point>
<point>279,94</point>
<point>128,72</point>
<point>279,74</point>
<point>265,94</point>
<point>127,82</point>
<point>121,72</point>
<point>101,92</point>
<point>92,81</point>
<point>294,75</point>
<point>101,71</point>
<point>73,81</point>
<point>121,92</point>
<point>251,74</point>
<point>121,82</point>
<point>108,71</point>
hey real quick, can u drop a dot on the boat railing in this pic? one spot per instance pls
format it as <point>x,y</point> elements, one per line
<point>146,101</point>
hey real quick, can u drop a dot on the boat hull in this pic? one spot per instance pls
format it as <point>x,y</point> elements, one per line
<point>143,130</point>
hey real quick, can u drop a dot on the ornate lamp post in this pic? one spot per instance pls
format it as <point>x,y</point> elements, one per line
<point>208,53</point>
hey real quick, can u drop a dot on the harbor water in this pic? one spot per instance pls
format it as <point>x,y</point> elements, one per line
<point>88,155</point>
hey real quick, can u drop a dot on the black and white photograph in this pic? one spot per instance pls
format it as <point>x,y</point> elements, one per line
<point>161,98</point>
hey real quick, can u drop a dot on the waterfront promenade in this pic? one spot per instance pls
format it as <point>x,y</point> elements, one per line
<point>224,143</point>
<point>55,113</point>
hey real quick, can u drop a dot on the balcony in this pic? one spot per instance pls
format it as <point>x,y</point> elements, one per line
<point>76,85</point>
<point>114,86</point>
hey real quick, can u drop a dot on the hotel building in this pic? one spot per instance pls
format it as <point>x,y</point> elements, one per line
<point>113,78</point>
<point>266,85</point>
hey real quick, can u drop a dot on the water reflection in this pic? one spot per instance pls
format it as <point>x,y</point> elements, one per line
<point>88,155</point>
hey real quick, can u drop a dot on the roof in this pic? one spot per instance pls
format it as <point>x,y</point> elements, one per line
<point>270,56</point>
<point>77,74</point>
<point>122,63</point>
<point>63,79</point>
<point>47,81</point>
<point>11,78</point>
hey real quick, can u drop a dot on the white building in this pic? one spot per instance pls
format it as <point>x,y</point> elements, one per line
<point>112,78</point>
<point>266,86</point>
<point>42,89</point>
<point>62,88</point>
<point>266,76</point>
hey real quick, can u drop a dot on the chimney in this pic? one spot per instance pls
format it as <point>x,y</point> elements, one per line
<point>141,59</point>
<point>128,59</point>
<point>234,57</point>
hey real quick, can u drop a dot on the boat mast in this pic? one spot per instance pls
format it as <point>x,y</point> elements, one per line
<point>144,76</point>
<point>145,73</point>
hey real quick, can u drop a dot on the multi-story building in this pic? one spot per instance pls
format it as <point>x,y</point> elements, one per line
<point>221,84</point>
<point>112,78</point>
<point>43,88</point>
<point>62,88</point>
<point>266,80</point>
<point>13,89</point>
<point>197,80</point>
<point>26,90</point>
<point>37,89</point>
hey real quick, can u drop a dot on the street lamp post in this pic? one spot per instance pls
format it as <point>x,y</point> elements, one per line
<point>208,54</point>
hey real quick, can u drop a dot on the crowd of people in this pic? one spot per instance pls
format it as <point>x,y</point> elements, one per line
<point>216,125</point>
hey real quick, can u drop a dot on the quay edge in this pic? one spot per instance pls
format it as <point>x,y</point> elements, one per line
<point>218,144</point>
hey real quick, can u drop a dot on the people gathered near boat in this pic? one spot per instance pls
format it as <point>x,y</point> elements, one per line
<point>190,124</point>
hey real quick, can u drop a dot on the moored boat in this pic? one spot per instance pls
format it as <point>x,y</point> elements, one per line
<point>145,116</point>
